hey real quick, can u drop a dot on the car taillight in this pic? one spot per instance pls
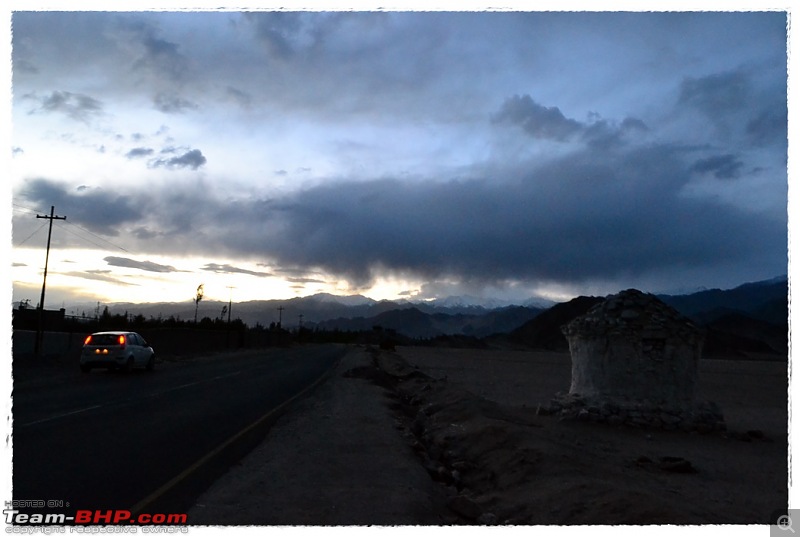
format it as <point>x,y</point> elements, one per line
<point>122,340</point>
<point>87,340</point>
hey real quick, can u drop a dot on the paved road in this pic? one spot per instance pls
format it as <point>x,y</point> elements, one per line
<point>108,440</point>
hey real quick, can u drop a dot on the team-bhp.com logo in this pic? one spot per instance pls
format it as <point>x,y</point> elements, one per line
<point>87,517</point>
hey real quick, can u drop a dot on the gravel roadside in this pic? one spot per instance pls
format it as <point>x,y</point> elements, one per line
<point>335,458</point>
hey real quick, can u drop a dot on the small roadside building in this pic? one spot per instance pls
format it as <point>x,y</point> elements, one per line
<point>634,347</point>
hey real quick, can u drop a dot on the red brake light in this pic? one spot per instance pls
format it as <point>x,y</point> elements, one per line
<point>87,340</point>
<point>122,340</point>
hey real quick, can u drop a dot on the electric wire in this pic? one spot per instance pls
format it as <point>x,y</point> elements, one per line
<point>32,234</point>
<point>18,206</point>
<point>61,225</point>
<point>67,222</point>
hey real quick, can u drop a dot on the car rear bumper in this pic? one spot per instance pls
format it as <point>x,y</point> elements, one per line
<point>107,362</point>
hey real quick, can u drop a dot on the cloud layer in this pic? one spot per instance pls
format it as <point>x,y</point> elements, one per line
<point>477,147</point>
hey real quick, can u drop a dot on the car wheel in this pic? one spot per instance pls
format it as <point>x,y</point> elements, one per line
<point>85,368</point>
<point>128,365</point>
<point>151,363</point>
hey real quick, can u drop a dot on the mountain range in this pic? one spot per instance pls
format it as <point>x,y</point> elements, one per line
<point>751,318</point>
<point>352,313</point>
<point>748,321</point>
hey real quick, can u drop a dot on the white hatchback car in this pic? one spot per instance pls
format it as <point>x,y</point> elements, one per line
<point>116,350</point>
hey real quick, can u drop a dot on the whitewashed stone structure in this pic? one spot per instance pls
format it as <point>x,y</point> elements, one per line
<point>634,360</point>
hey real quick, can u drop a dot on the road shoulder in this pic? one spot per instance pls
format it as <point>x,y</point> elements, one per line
<point>347,464</point>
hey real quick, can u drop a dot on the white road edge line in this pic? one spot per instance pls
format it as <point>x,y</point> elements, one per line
<point>149,395</point>
<point>58,416</point>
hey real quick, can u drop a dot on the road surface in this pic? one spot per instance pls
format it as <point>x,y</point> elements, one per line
<point>109,440</point>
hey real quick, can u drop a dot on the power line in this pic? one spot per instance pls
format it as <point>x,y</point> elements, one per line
<point>70,223</point>
<point>32,234</point>
<point>29,210</point>
<point>25,208</point>
<point>92,234</point>
<point>71,232</point>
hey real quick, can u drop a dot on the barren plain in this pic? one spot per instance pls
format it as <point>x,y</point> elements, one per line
<point>426,436</point>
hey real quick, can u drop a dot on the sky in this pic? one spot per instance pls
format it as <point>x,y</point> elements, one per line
<point>396,154</point>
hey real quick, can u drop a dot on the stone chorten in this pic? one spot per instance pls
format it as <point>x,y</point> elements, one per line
<point>634,346</point>
<point>634,360</point>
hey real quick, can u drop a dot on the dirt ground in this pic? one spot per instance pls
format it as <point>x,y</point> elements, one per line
<point>435,437</point>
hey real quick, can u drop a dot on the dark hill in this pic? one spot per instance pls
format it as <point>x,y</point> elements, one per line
<point>414,323</point>
<point>544,331</point>
<point>735,334</point>
<point>766,301</point>
<point>749,321</point>
<point>411,322</point>
<point>499,321</point>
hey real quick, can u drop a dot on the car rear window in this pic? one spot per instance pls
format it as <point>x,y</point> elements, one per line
<point>104,339</point>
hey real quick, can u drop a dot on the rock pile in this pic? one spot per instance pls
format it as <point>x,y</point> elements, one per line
<point>703,417</point>
<point>634,361</point>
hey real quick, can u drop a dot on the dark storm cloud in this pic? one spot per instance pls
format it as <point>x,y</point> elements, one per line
<point>101,211</point>
<point>549,123</point>
<point>588,216</point>
<point>147,266</point>
<point>630,124</point>
<point>726,99</point>
<point>537,120</point>
<point>230,269</point>
<point>623,218</point>
<point>363,64</point>
<point>159,56</point>
<point>608,209</point>
<point>747,106</point>
<point>716,94</point>
<point>73,105</point>
<point>604,134</point>
<point>722,166</point>
<point>191,159</point>
<point>768,127</point>
<point>283,33</point>
<point>144,234</point>
<point>160,48</point>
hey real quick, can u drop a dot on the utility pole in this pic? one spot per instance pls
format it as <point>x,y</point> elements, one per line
<point>230,305</point>
<point>230,302</point>
<point>280,316</point>
<point>40,331</point>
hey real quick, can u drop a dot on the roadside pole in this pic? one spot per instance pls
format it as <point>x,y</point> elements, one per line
<point>40,325</point>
